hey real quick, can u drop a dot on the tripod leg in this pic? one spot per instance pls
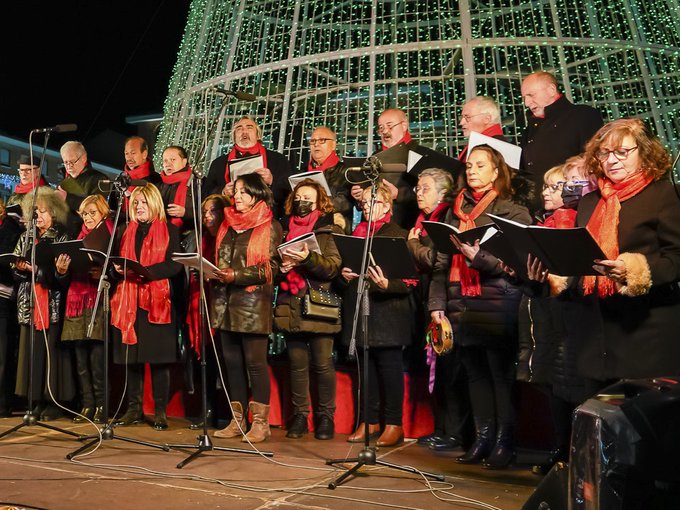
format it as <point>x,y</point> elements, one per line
<point>409,469</point>
<point>345,475</point>
<point>13,429</point>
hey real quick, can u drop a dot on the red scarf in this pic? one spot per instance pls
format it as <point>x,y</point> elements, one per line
<point>560,218</point>
<point>141,172</point>
<point>435,215</point>
<point>405,139</point>
<point>238,152</point>
<point>193,317</point>
<point>182,177</point>
<point>29,186</point>
<point>41,310</point>
<point>460,271</point>
<point>332,160</point>
<point>297,226</point>
<point>82,291</point>
<point>492,130</point>
<point>259,219</point>
<point>362,228</point>
<point>152,296</point>
<point>604,224</point>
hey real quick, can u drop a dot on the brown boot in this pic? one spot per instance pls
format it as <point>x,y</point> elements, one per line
<point>259,430</point>
<point>392,435</point>
<point>233,430</point>
<point>358,436</point>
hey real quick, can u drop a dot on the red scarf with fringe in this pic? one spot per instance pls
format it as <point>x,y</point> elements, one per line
<point>259,219</point>
<point>82,291</point>
<point>29,186</point>
<point>332,160</point>
<point>297,226</point>
<point>460,271</point>
<point>152,296</point>
<point>603,225</point>
<point>238,152</point>
<point>182,177</point>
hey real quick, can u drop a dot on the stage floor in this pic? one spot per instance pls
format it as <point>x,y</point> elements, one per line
<point>35,473</point>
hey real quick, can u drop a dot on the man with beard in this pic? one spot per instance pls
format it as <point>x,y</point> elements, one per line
<point>246,136</point>
<point>394,134</point>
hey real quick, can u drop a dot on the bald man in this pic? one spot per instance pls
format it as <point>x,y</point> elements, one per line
<point>556,128</point>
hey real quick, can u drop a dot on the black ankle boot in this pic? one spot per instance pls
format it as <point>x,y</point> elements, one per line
<point>298,427</point>
<point>481,447</point>
<point>99,415</point>
<point>325,428</point>
<point>503,452</point>
<point>160,420</point>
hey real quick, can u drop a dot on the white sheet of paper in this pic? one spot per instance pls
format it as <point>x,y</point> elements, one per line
<point>511,152</point>
<point>413,158</point>
<point>315,175</point>
<point>240,167</point>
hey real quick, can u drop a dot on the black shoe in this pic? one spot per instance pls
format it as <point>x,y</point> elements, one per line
<point>160,421</point>
<point>86,413</point>
<point>429,439</point>
<point>131,417</point>
<point>500,458</point>
<point>298,427</point>
<point>38,409</point>
<point>98,416</point>
<point>210,416</point>
<point>442,444</point>
<point>51,412</point>
<point>325,428</point>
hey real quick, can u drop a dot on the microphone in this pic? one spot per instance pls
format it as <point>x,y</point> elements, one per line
<point>59,128</point>
<point>238,94</point>
<point>369,171</point>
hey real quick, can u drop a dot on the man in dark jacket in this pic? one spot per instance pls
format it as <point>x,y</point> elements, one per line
<point>246,136</point>
<point>556,128</point>
<point>81,181</point>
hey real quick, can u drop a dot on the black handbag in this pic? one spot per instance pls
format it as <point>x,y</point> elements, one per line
<point>321,304</point>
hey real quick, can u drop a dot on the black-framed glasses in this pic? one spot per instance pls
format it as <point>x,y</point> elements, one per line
<point>365,203</point>
<point>554,187</point>
<point>69,164</point>
<point>621,153</point>
<point>90,214</point>
<point>318,141</point>
<point>27,170</point>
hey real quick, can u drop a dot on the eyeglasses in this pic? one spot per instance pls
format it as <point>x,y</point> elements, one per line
<point>319,141</point>
<point>366,203</point>
<point>388,127</point>
<point>468,117</point>
<point>573,185</point>
<point>90,214</point>
<point>621,153</point>
<point>424,189</point>
<point>554,187</point>
<point>26,170</point>
<point>69,164</point>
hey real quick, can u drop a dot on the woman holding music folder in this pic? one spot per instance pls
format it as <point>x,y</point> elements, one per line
<point>142,311</point>
<point>390,328</point>
<point>471,289</point>
<point>626,317</point>
<point>241,302</point>
<point>307,275</point>
<point>82,282</point>
<point>51,213</point>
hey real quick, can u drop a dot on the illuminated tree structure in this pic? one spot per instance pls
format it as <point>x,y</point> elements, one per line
<point>339,63</point>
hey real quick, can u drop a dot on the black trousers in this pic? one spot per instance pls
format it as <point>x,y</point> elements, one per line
<point>320,349</point>
<point>90,369</point>
<point>244,356</point>
<point>385,384</point>
<point>452,409</point>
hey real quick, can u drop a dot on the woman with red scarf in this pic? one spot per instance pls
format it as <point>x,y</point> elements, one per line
<point>626,318</point>
<point>142,308</point>
<point>82,285</point>
<point>241,302</point>
<point>175,188</point>
<point>310,210</point>
<point>447,381</point>
<point>390,328</point>
<point>48,296</point>
<point>482,306</point>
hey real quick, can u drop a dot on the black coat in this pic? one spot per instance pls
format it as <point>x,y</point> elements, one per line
<point>341,195</point>
<point>550,141</point>
<point>634,337</point>
<point>319,270</point>
<point>391,320</point>
<point>489,319</point>
<point>86,184</point>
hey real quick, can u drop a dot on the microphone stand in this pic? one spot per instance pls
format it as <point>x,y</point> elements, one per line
<point>366,456</point>
<point>30,237</point>
<point>204,443</point>
<point>106,432</point>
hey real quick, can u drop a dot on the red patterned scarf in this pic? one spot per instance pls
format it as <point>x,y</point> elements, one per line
<point>29,186</point>
<point>297,226</point>
<point>332,160</point>
<point>238,152</point>
<point>259,219</point>
<point>152,296</point>
<point>604,224</point>
<point>181,178</point>
<point>460,271</point>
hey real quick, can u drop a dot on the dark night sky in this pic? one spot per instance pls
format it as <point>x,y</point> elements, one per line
<point>86,62</point>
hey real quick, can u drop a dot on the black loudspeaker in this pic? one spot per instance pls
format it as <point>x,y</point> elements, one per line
<point>552,492</point>
<point>625,446</point>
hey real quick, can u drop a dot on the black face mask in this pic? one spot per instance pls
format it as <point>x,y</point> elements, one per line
<point>302,208</point>
<point>571,195</point>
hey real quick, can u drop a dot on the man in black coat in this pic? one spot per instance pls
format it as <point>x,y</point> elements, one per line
<point>246,136</point>
<point>556,128</point>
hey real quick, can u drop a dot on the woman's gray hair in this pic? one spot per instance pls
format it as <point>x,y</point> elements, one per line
<point>443,180</point>
<point>49,199</point>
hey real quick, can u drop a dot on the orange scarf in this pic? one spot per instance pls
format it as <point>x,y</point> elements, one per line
<point>152,296</point>
<point>460,271</point>
<point>603,225</point>
<point>259,218</point>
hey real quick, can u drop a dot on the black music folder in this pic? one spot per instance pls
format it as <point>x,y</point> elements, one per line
<point>390,253</point>
<point>440,233</point>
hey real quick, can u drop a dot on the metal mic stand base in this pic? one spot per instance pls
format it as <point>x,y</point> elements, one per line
<point>108,434</point>
<point>205,445</point>
<point>30,419</point>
